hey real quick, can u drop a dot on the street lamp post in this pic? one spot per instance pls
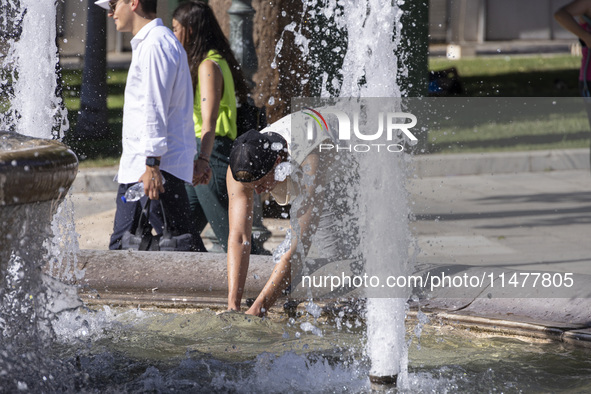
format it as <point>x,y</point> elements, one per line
<point>93,121</point>
<point>241,16</point>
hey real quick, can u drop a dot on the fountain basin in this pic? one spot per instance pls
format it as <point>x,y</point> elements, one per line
<point>161,278</point>
<point>202,350</point>
<point>198,280</point>
<point>134,349</point>
<point>34,169</point>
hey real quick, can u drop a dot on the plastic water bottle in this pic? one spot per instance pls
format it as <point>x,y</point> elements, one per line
<point>135,192</point>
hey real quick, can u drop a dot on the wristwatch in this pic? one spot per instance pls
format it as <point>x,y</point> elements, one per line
<point>152,162</point>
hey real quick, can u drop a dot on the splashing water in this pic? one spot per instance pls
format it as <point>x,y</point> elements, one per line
<point>282,171</point>
<point>31,65</point>
<point>29,301</point>
<point>369,69</point>
<point>36,111</point>
<point>36,107</point>
<point>28,304</point>
<point>370,57</point>
<point>370,65</point>
<point>62,248</point>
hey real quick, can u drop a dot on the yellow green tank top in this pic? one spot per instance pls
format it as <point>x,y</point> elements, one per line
<point>226,122</point>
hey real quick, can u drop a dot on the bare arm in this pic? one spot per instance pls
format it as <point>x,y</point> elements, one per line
<point>566,15</point>
<point>307,217</point>
<point>211,84</point>
<point>240,217</point>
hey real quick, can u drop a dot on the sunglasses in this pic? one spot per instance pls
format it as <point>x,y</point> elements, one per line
<point>113,5</point>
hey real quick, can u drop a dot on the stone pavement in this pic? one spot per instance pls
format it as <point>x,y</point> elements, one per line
<point>497,215</point>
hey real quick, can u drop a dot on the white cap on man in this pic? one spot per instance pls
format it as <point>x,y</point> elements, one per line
<point>103,4</point>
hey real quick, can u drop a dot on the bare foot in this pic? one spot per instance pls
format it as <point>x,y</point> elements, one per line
<point>256,311</point>
<point>227,311</point>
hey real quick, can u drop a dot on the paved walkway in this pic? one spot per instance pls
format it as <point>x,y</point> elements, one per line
<point>495,222</point>
<point>465,205</point>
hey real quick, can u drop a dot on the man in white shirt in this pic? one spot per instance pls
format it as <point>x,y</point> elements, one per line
<point>158,137</point>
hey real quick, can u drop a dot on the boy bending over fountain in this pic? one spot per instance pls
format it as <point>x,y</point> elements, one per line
<point>305,177</point>
<point>158,137</point>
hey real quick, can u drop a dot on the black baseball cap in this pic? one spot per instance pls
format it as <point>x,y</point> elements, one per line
<point>255,153</point>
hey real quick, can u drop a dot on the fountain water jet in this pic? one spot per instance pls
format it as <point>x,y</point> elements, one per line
<point>365,36</point>
<point>370,69</point>
<point>36,109</point>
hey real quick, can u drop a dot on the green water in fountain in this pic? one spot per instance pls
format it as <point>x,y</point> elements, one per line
<point>136,350</point>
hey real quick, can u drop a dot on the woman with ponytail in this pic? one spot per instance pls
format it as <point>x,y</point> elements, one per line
<point>218,82</point>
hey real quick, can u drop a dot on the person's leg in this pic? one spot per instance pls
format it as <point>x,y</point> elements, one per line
<point>213,197</point>
<point>125,215</point>
<point>197,214</point>
<point>176,205</point>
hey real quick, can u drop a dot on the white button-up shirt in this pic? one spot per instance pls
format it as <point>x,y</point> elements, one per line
<point>158,107</point>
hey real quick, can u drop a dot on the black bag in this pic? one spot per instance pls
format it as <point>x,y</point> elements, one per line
<point>249,116</point>
<point>143,239</point>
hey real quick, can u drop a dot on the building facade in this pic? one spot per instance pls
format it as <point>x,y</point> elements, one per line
<point>450,22</point>
<point>478,21</point>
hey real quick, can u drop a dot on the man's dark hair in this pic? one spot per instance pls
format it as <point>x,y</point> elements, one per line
<point>149,6</point>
